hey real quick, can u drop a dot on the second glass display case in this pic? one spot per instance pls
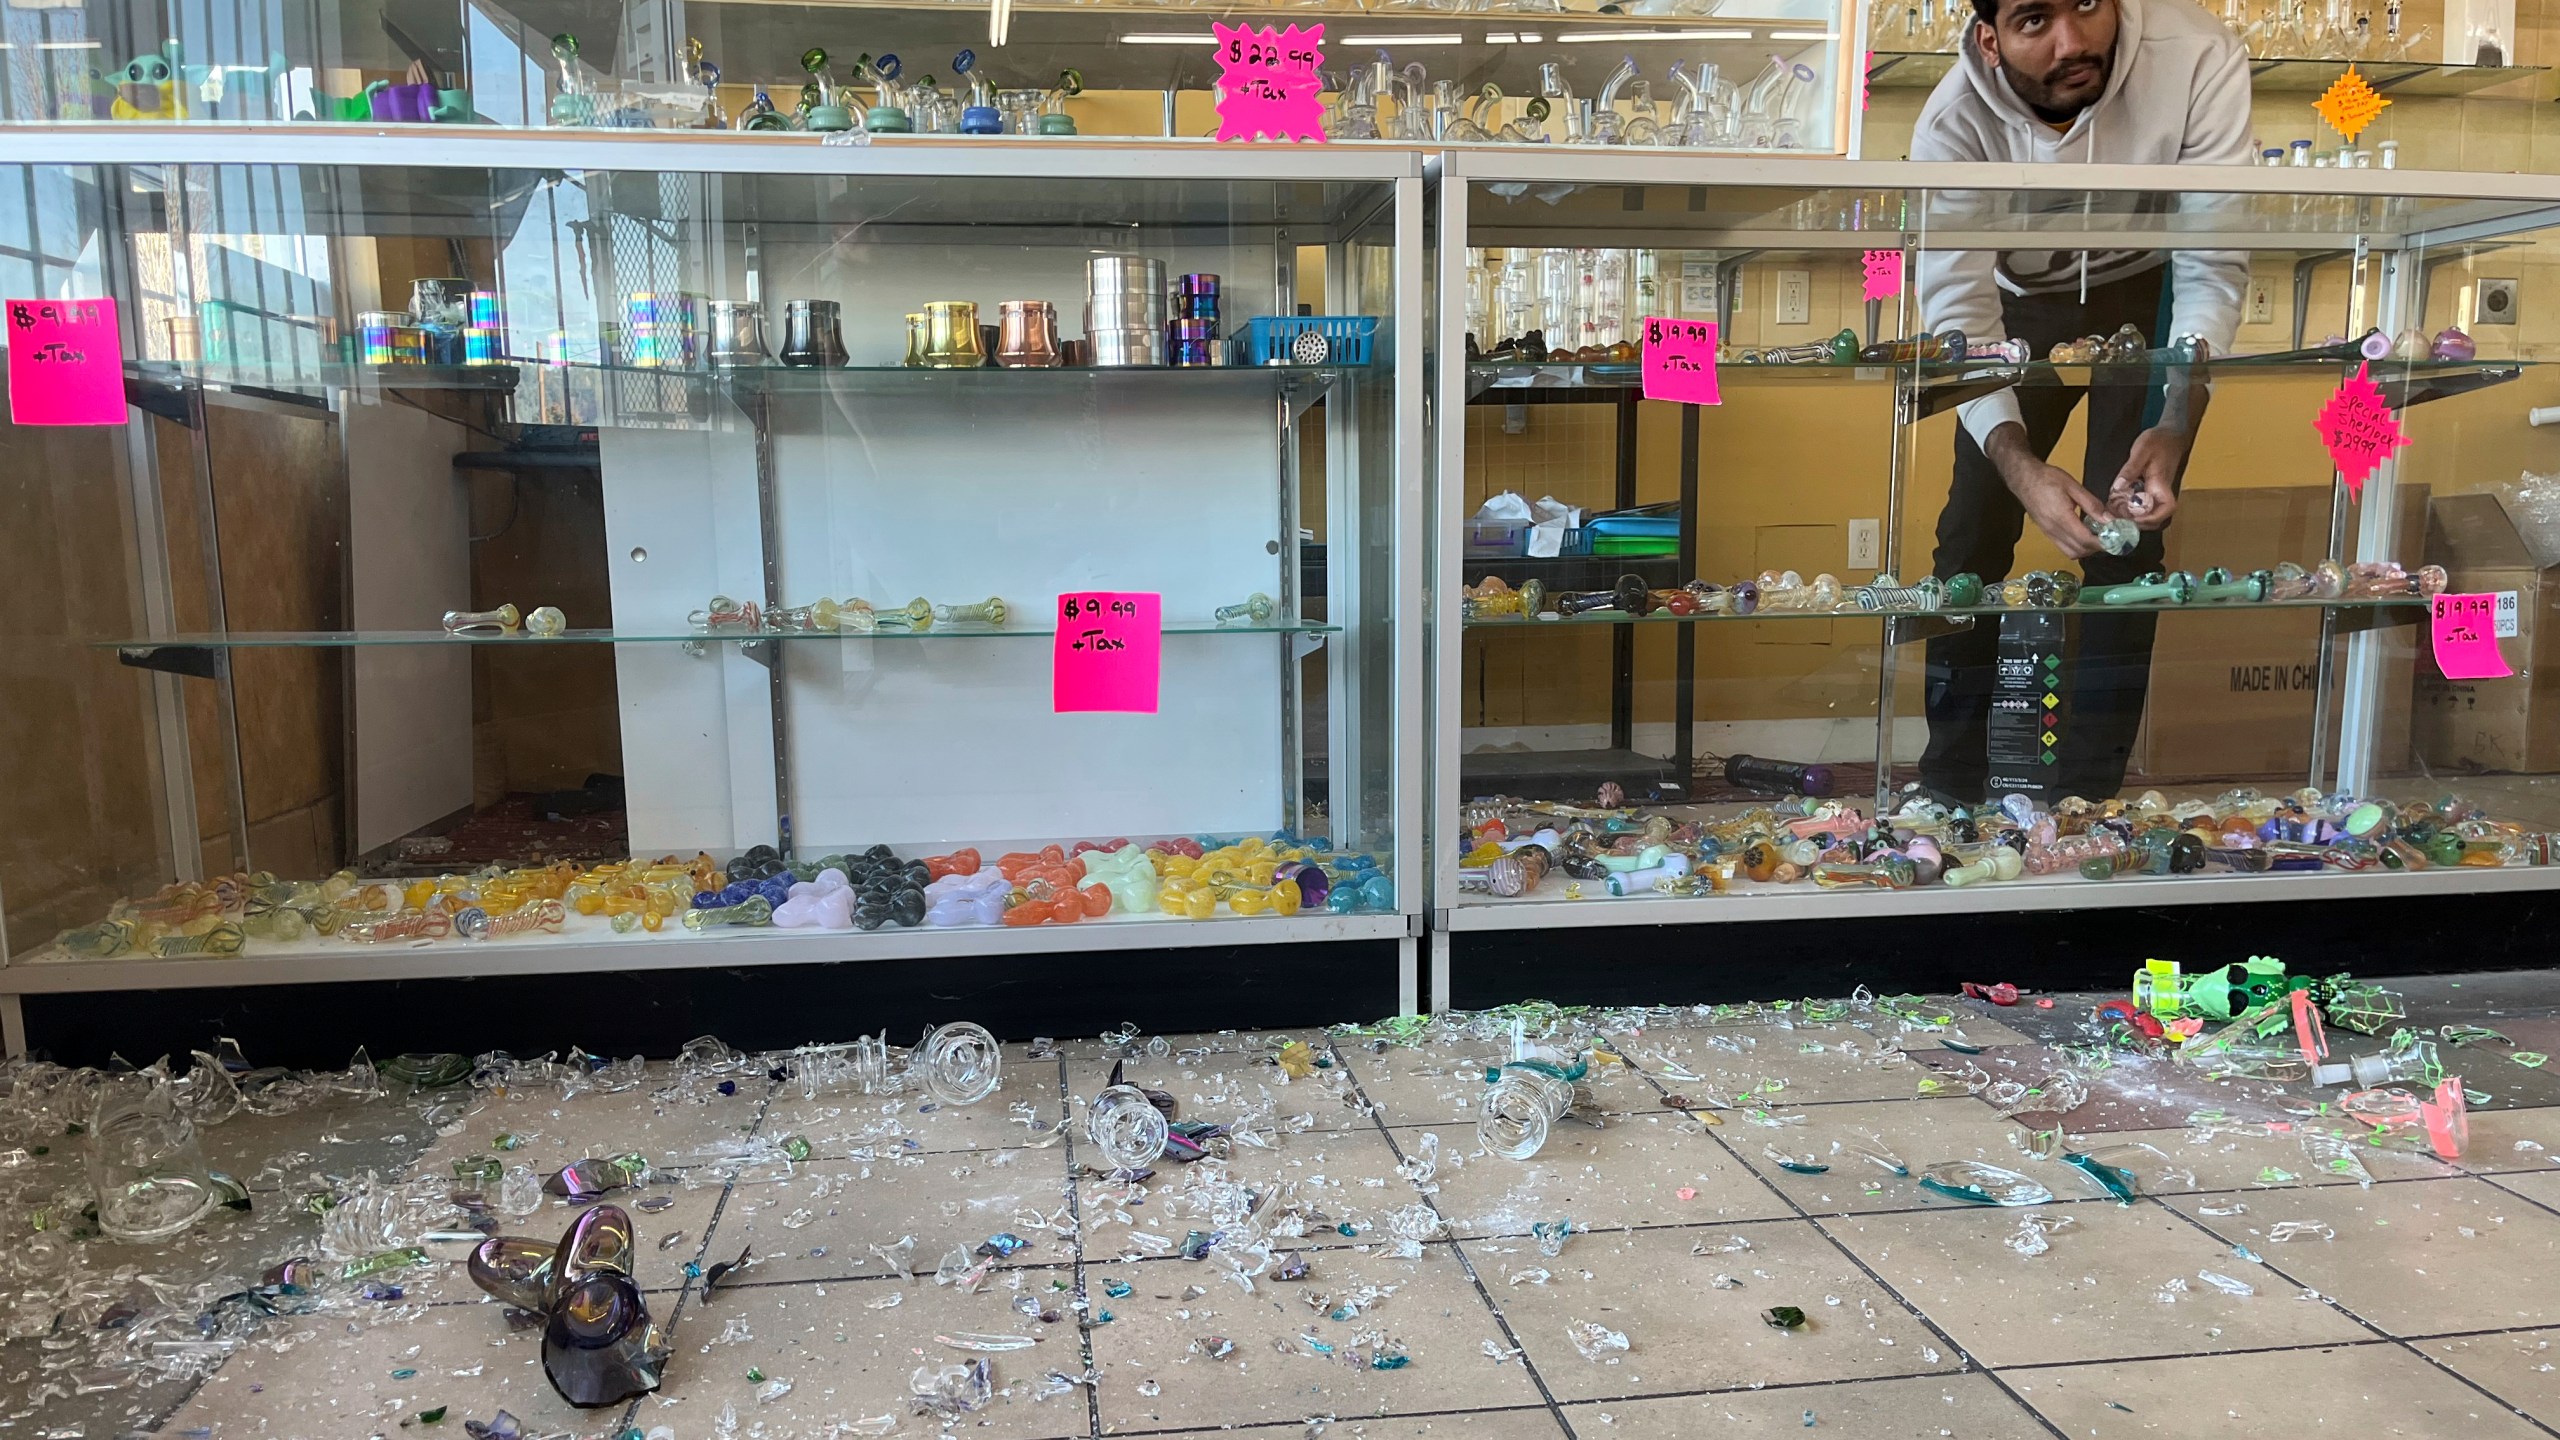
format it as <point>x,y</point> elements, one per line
<point>1788,655</point>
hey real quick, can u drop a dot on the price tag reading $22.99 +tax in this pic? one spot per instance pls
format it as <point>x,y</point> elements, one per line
<point>1109,652</point>
<point>1267,82</point>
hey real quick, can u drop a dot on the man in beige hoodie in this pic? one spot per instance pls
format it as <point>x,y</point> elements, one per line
<point>2141,82</point>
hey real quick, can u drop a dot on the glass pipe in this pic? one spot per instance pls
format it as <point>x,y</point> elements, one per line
<point>1254,609</point>
<point>1999,862</point>
<point>821,108</point>
<point>759,114</point>
<point>1887,871</point>
<point>412,925</point>
<point>2007,352</point>
<point>2406,1059</point>
<point>724,613</point>
<point>973,899</point>
<point>754,910</point>
<point>546,621</point>
<point>2038,589</point>
<point>2220,587</point>
<point>1840,349</point>
<point>2453,345</point>
<point>544,916</point>
<point>2154,588</point>
<point>1887,593</point>
<point>1516,1115</point>
<point>573,105</point>
<point>2325,581</point>
<point>1944,345</point>
<point>1494,596</point>
<point>858,615</point>
<point>1764,100</point>
<point>1631,597</point>
<point>599,1346</point>
<point>2116,535</point>
<point>978,112</point>
<point>222,937</point>
<point>1605,126</point>
<point>505,617</point>
<point>1786,590</point>
<point>990,611</point>
<point>1127,1128</point>
<point>1128,874</point>
<point>1644,879</point>
<point>2365,1008</point>
<point>2375,579</point>
<point>2125,347</point>
<point>1559,99</point>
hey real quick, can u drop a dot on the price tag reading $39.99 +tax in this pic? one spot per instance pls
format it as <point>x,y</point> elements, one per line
<point>1108,653</point>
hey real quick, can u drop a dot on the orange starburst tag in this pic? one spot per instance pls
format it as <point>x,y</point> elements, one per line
<point>2350,104</point>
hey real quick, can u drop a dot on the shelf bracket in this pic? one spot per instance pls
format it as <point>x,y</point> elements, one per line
<point>204,662</point>
<point>767,653</point>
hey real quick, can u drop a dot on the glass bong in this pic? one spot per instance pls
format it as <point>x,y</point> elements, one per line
<point>956,1064</point>
<point>1530,1093</point>
<point>1768,111</point>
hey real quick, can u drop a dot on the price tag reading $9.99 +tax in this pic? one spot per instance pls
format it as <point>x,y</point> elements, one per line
<point>1108,654</point>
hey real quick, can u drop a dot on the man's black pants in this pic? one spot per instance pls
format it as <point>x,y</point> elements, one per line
<point>2109,669</point>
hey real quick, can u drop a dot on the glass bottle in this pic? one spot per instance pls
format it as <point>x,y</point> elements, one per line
<point>1127,1128</point>
<point>145,1163</point>
<point>1526,1100</point>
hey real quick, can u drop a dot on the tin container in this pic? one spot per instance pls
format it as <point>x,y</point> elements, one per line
<point>1191,343</point>
<point>1125,348</point>
<point>1027,338</point>
<point>737,335</point>
<point>1118,312</point>
<point>1123,274</point>
<point>376,336</point>
<point>951,338</point>
<point>658,345</point>
<point>484,345</point>
<point>812,333</point>
<point>665,307</point>
<point>488,311</point>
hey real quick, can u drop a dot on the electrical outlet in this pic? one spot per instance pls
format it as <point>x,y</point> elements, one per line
<point>2497,302</point>
<point>2262,303</point>
<point>1866,544</point>
<point>1795,297</point>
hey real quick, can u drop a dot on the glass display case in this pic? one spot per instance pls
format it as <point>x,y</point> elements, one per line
<point>1786,656</point>
<point>1693,74</point>
<point>528,552</point>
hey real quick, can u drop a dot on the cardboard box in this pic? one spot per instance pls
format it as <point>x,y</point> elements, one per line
<point>2493,725</point>
<point>2233,695</point>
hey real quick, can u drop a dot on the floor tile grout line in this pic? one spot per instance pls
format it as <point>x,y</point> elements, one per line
<point>1299,1427</point>
<point>2297,1347</point>
<point>711,1227</point>
<point>2334,1303</point>
<point>1836,1243</point>
<point>1080,1296</point>
<point>2492,1179</point>
<point>1377,1117</point>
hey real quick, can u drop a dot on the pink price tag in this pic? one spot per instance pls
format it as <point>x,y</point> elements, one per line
<point>66,363</point>
<point>2358,427</point>
<point>1109,652</point>
<point>1267,83</point>
<point>1883,271</point>
<point>2466,637</point>
<point>1680,361</point>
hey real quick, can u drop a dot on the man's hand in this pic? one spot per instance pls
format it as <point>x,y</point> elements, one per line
<point>2048,494</point>
<point>2143,491</point>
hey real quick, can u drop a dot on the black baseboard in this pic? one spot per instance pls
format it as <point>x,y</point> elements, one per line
<point>653,1012</point>
<point>2036,950</point>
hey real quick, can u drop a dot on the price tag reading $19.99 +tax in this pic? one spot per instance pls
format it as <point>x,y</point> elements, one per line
<point>2465,632</point>
<point>1108,654</point>
<point>1680,361</point>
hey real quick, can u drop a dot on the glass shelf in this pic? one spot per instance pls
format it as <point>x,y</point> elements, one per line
<point>892,380</point>
<point>1493,382</point>
<point>1597,619</point>
<point>344,639</point>
<point>1920,69</point>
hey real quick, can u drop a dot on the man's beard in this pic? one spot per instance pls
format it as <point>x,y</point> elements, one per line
<point>2039,94</point>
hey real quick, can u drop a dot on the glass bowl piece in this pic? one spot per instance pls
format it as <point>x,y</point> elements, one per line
<point>145,1162</point>
<point>2116,535</point>
<point>990,611</point>
<point>504,617</point>
<point>1255,608</point>
<point>546,620</point>
<point>1979,1184</point>
<point>1127,1128</point>
<point>754,910</point>
<point>1518,1113</point>
<point>960,1063</point>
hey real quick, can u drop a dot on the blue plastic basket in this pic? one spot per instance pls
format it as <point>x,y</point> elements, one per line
<point>1268,337</point>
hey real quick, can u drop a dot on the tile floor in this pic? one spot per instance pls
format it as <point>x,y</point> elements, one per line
<point>2431,1312</point>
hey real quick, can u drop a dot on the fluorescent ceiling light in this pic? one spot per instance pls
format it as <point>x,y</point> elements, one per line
<point>1146,39</point>
<point>1607,37</point>
<point>71,45</point>
<point>1505,37</point>
<point>1400,39</point>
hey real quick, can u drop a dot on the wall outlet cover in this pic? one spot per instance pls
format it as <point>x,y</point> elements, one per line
<point>2498,301</point>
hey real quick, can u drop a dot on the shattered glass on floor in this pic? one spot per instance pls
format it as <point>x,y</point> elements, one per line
<point>1895,1216</point>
